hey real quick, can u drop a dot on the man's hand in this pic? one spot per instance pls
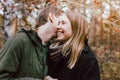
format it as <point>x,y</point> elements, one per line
<point>49,78</point>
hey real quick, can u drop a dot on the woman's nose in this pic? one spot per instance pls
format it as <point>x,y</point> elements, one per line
<point>58,26</point>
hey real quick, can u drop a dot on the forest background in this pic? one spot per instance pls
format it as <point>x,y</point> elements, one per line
<point>103,17</point>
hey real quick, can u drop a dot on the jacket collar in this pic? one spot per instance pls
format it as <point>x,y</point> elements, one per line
<point>86,48</point>
<point>32,36</point>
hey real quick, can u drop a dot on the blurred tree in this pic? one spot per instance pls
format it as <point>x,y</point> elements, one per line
<point>103,17</point>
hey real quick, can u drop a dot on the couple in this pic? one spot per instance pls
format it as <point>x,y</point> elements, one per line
<point>23,57</point>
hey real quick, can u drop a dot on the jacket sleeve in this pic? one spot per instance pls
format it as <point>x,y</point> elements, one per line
<point>10,56</point>
<point>89,69</point>
<point>92,71</point>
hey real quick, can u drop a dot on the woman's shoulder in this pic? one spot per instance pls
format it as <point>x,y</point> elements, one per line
<point>87,55</point>
<point>86,60</point>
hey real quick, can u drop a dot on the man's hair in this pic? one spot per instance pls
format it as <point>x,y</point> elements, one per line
<point>43,15</point>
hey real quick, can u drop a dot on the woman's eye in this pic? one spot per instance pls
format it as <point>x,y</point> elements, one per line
<point>63,22</point>
<point>58,22</point>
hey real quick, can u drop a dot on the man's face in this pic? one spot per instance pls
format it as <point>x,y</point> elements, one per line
<point>52,26</point>
<point>48,30</point>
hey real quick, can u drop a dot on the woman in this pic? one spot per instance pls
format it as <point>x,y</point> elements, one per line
<point>71,58</point>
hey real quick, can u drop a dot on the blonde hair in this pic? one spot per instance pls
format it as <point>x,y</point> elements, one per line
<point>74,46</point>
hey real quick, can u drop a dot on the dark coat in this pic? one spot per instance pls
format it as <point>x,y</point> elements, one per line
<point>23,57</point>
<point>86,68</point>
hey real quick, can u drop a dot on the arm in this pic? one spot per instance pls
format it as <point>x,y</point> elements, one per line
<point>87,67</point>
<point>92,72</point>
<point>10,57</point>
<point>90,69</point>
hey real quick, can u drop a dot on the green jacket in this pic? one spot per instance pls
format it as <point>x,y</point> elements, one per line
<point>23,57</point>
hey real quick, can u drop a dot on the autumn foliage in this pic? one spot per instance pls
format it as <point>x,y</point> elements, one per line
<point>103,17</point>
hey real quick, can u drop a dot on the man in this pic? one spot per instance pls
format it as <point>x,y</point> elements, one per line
<point>23,57</point>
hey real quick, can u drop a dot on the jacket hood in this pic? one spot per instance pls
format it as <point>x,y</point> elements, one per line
<point>33,36</point>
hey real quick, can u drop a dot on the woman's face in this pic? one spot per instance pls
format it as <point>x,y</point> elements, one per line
<point>64,30</point>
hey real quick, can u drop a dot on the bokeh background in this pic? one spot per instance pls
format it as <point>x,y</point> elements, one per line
<point>103,17</point>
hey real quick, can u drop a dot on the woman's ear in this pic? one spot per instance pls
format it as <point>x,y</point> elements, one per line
<point>51,17</point>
